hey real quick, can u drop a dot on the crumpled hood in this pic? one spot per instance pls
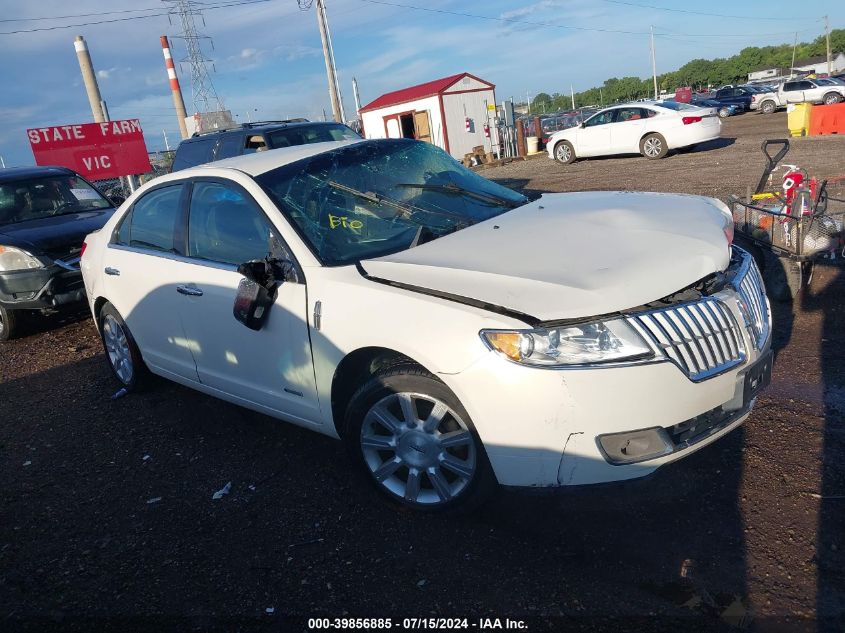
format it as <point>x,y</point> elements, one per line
<point>572,255</point>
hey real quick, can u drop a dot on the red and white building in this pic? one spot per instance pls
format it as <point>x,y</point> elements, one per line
<point>451,113</point>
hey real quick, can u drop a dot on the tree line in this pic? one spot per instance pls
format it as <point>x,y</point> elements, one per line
<point>698,73</point>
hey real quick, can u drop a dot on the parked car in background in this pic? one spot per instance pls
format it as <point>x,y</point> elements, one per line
<point>650,128</point>
<point>249,138</point>
<point>723,110</point>
<point>818,91</point>
<point>739,96</point>
<point>45,214</point>
<point>412,312</point>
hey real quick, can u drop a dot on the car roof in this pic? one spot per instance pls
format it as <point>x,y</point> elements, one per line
<point>256,128</point>
<point>262,162</point>
<point>12,174</point>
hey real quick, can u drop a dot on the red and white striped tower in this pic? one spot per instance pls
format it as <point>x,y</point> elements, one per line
<point>178,102</point>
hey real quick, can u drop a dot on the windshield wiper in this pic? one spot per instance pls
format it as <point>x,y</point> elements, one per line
<point>460,191</point>
<point>407,210</point>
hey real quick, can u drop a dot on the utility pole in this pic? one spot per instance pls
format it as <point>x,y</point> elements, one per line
<point>601,99</point>
<point>654,66</point>
<point>827,39</point>
<point>528,100</point>
<point>572,94</point>
<point>89,78</point>
<point>166,144</point>
<point>792,66</point>
<point>357,97</point>
<point>331,72</point>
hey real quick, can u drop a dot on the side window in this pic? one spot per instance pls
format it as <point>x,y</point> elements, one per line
<point>230,145</point>
<point>194,153</point>
<point>601,118</point>
<point>227,226</point>
<point>151,223</point>
<point>254,143</point>
<point>647,114</point>
<point>806,85</point>
<point>789,86</point>
<point>629,114</point>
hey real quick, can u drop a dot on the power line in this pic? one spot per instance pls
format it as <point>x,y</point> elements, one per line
<point>714,15</point>
<point>132,17</point>
<point>551,24</point>
<point>78,15</point>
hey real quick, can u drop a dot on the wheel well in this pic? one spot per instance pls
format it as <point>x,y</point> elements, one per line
<point>354,370</point>
<point>765,101</point>
<point>652,133</point>
<point>832,92</point>
<point>98,306</point>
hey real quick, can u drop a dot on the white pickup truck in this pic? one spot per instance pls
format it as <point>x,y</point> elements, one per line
<point>824,91</point>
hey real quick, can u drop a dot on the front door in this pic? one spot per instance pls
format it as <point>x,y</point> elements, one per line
<point>271,367</point>
<point>594,138</point>
<point>423,128</point>
<point>138,280</point>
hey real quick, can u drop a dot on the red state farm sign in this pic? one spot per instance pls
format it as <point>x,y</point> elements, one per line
<point>95,150</point>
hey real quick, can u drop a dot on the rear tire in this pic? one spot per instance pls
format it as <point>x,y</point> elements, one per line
<point>832,97</point>
<point>724,113</point>
<point>122,353</point>
<point>653,146</point>
<point>395,428</point>
<point>768,107</point>
<point>564,153</point>
<point>10,323</point>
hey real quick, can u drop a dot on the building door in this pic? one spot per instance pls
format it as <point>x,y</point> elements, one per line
<point>422,125</point>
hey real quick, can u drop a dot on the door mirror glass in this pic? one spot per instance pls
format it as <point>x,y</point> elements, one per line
<point>117,200</point>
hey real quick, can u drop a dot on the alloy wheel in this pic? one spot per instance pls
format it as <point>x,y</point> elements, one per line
<point>652,146</point>
<point>563,152</point>
<point>117,348</point>
<point>418,448</point>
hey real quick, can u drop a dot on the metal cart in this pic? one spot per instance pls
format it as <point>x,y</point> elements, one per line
<point>787,238</point>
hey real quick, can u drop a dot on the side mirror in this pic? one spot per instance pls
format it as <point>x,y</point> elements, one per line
<point>258,289</point>
<point>582,124</point>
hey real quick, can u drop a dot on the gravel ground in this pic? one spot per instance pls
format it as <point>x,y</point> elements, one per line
<point>107,518</point>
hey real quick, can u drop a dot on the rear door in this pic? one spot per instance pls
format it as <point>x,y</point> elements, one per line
<point>139,279</point>
<point>793,91</point>
<point>627,130</point>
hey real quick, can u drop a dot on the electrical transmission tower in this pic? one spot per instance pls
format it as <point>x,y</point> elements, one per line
<point>203,94</point>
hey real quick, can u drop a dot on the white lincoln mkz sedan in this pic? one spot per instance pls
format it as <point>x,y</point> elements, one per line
<point>452,332</point>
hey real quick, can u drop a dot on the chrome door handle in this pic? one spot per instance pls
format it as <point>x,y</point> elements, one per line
<point>112,271</point>
<point>191,291</point>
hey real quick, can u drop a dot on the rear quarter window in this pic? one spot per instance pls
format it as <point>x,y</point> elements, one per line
<point>193,153</point>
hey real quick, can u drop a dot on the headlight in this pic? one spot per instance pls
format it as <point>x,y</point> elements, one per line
<point>12,258</point>
<point>585,344</point>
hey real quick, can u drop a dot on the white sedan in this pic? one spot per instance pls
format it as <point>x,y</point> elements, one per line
<point>650,128</point>
<point>452,332</point>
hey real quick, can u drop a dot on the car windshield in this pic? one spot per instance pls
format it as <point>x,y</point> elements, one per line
<point>380,197</point>
<point>38,198</point>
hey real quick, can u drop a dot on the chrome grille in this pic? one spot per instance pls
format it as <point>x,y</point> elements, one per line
<point>749,284</point>
<point>701,337</point>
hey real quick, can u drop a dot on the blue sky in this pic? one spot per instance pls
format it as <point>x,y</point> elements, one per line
<point>269,63</point>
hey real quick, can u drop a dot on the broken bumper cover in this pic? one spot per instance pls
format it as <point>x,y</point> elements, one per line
<point>41,288</point>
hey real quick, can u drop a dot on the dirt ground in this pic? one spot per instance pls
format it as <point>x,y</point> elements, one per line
<point>107,518</point>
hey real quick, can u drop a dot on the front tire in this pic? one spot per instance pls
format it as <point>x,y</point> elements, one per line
<point>416,442</point>
<point>653,146</point>
<point>10,323</point>
<point>724,113</point>
<point>122,353</point>
<point>564,153</point>
<point>768,107</point>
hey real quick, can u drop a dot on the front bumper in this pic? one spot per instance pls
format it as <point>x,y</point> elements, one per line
<point>41,288</point>
<point>542,427</point>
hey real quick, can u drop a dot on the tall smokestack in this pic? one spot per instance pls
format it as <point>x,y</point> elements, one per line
<point>89,78</point>
<point>178,101</point>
